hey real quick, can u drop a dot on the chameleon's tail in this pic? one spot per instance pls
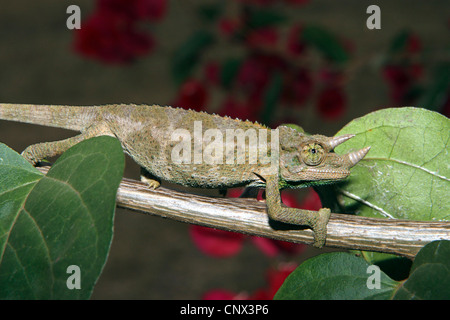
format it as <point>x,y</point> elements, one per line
<point>67,117</point>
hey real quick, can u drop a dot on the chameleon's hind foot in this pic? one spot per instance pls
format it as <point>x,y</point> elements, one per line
<point>151,183</point>
<point>149,179</point>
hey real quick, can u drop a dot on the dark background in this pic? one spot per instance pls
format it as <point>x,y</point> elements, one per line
<point>153,258</point>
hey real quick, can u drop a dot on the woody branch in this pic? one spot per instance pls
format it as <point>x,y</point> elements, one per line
<point>400,237</point>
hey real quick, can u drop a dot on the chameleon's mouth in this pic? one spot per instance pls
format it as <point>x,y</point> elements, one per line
<point>326,174</point>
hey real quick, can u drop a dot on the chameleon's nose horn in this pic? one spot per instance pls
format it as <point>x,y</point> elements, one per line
<point>355,157</point>
<point>333,143</point>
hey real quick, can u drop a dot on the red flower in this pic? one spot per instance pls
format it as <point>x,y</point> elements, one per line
<point>274,278</point>
<point>269,2</point>
<point>413,44</point>
<point>135,9</point>
<point>219,294</point>
<point>272,248</point>
<point>241,110</point>
<point>401,79</point>
<point>216,243</point>
<point>295,45</point>
<point>253,76</point>
<point>192,95</point>
<point>111,38</point>
<point>331,102</point>
<point>212,72</point>
<point>228,27</point>
<point>445,110</point>
<point>299,88</point>
<point>263,37</point>
<point>258,2</point>
<point>298,2</point>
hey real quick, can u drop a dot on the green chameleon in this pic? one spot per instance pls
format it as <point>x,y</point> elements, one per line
<point>162,140</point>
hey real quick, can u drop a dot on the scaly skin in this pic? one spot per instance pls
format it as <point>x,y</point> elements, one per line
<point>147,135</point>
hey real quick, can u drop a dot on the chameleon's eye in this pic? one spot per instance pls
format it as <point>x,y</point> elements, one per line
<point>312,154</point>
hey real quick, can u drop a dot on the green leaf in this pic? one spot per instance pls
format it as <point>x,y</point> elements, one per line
<point>58,220</point>
<point>436,93</point>
<point>294,126</point>
<point>209,12</point>
<point>326,42</point>
<point>399,42</point>
<point>229,70</point>
<point>271,98</point>
<point>430,274</point>
<point>187,55</point>
<point>336,275</point>
<point>260,18</point>
<point>406,173</point>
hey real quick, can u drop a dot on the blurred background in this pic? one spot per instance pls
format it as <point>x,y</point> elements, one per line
<point>314,63</point>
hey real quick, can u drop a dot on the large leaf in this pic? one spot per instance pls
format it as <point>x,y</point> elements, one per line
<point>430,274</point>
<point>345,276</point>
<point>336,275</point>
<point>406,173</point>
<point>49,223</point>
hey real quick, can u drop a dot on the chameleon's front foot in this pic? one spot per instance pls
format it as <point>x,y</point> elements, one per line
<point>320,227</point>
<point>316,220</point>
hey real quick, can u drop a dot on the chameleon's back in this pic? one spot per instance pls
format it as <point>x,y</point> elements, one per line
<point>179,146</point>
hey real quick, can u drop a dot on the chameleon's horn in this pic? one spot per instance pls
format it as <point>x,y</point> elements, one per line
<point>355,157</point>
<point>334,142</point>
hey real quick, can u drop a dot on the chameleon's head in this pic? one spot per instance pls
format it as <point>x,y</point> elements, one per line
<point>311,158</point>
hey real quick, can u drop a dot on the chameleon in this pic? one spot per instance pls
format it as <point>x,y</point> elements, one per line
<point>146,133</point>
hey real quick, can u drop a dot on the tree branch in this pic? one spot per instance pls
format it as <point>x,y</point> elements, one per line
<point>400,237</point>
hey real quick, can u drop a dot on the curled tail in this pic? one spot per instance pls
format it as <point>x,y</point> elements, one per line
<point>67,117</point>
